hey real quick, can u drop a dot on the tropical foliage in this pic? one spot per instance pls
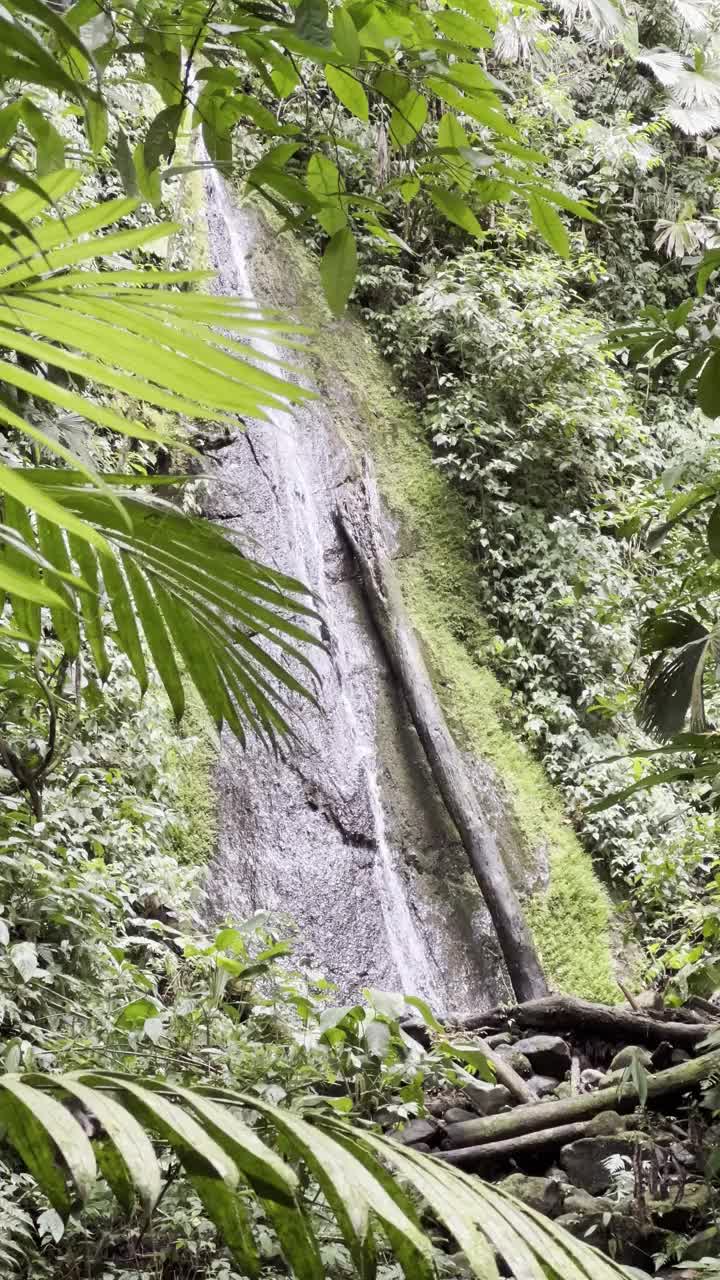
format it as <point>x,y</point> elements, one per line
<point>501,189</point>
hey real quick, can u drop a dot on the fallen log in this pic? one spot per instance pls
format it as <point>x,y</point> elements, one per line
<point>546,1115</point>
<point>565,1013</point>
<point>489,1154</point>
<point>358,514</point>
<point>505,1074</point>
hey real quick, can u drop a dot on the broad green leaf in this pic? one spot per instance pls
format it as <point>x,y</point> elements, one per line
<point>426,1013</point>
<point>50,145</point>
<point>456,210</point>
<point>345,36</point>
<point>456,26</point>
<point>408,118</point>
<point>338,270</point>
<point>348,91</point>
<point>713,533</point>
<point>161,136</point>
<point>708,390</point>
<point>96,123</point>
<point>134,1014</point>
<point>549,224</point>
<point>311,22</point>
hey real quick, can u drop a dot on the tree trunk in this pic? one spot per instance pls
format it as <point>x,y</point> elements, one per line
<point>545,1115</point>
<point>565,1013</point>
<point>358,514</point>
<point>490,1154</point>
<point>505,1074</point>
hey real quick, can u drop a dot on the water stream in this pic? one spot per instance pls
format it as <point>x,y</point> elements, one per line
<point>343,835</point>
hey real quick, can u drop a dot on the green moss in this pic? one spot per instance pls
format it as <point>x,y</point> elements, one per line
<point>572,917</point>
<point>191,763</point>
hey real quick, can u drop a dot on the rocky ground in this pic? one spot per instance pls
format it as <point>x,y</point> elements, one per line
<point>615,1138</point>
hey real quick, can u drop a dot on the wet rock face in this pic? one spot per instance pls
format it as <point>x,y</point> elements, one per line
<point>342,834</point>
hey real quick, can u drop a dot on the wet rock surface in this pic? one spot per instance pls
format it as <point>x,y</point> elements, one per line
<point>343,836</point>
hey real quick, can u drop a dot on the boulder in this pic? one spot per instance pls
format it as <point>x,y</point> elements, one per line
<point>543,1194</point>
<point>548,1055</point>
<point>678,1214</point>
<point>591,1079</point>
<point>542,1085</point>
<point>501,1037</point>
<point>458,1115</point>
<point>629,1054</point>
<point>516,1060</point>
<point>487,1099</point>
<point>607,1122</point>
<point>579,1201</point>
<point>592,1228</point>
<point>424,1130</point>
<point>583,1161</point>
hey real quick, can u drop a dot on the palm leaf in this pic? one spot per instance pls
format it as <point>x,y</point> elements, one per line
<point>603,17</point>
<point>173,580</point>
<point>369,1182</point>
<point>673,686</point>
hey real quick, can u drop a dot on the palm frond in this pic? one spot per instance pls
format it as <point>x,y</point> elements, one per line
<point>673,687</point>
<point>603,17</point>
<point>696,14</point>
<point>172,581</point>
<point>368,1182</point>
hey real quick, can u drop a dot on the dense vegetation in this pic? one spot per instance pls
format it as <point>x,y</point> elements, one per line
<point>501,192</point>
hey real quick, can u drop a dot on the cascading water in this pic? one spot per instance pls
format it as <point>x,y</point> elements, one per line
<point>344,834</point>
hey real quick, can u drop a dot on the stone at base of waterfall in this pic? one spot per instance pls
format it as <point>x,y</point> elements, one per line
<point>487,1099</point>
<point>516,1060</point>
<point>501,1037</point>
<point>629,1054</point>
<point>541,1086</point>
<point>426,1131</point>
<point>542,1194</point>
<point>584,1161</point>
<point>458,1115</point>
<point>548,1055</point>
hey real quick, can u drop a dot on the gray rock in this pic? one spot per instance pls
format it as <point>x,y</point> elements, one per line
<point>543,1194</point>
<point>579,1201</point>
<point>629,1054</point>
<point>420,1130</point>
<point>501,1037</point>
<point>563,1090</point>
<point>591,1079</point>
<point>487,1099</point>
<point>678,1215</point>
<point>517,1061</point>
<point>583,1160</point>
<point>608,1122</point>
<point>458,1115</point>
<point>548,1055</point>
<point>580,1224</point>
<point>542,1085</point>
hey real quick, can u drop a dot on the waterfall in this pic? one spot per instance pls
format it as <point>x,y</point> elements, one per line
<point>341,835</point>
